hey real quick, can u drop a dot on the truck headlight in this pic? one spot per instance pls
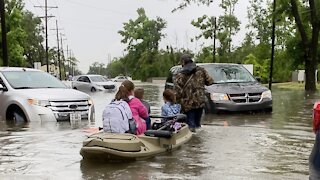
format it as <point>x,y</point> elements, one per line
<point>43,103</point>
<point>219,97</point>
<point>266,94</point>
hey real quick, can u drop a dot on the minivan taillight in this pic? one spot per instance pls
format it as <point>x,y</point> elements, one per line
<point>316,117</point>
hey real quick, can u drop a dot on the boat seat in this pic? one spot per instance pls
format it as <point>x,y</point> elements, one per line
<point>158,133</point>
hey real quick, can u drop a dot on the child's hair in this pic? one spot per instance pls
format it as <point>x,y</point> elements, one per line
<point>169,95</point>
<point>138,93</point>
<point>124,89</point>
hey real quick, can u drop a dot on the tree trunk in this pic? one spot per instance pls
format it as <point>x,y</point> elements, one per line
<point>310,83</point>
<point>313,47</point>
<point>310,45</point>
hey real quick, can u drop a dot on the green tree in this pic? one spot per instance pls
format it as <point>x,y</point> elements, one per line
<point>206,25</point>
<point>15,34</point>
<point>142,37</point>
<point>306,16</point>
<point>116,67</point>
<point>228,26</point>
<point>308,26</point>
<point>24,35</point>
<point>98,68</point>
<point>33,48</point>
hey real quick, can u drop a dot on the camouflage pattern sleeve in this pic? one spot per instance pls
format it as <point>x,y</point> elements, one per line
<point>177,87</point>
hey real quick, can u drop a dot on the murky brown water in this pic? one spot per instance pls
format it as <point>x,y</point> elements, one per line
<point>245,146</point>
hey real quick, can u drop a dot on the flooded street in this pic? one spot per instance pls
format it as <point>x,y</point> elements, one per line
<point>236,146</point>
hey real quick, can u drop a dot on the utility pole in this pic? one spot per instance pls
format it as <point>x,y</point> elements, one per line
<point>68,60</point>
<point>4,35</point>
<point>272,43</point>
<point>214,22</point>
<point>62,54</point>
<point>59,62</point>
<point>46,24</point>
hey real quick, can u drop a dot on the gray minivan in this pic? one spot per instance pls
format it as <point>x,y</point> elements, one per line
<point>234,89</point>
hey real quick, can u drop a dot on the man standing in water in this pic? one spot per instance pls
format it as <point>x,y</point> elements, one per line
<point>189,85</point>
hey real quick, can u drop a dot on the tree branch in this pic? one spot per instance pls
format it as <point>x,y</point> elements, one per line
<point>314,17</point>
<point>301,28</point>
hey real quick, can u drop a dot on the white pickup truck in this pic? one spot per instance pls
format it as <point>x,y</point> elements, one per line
<point>33,95</point>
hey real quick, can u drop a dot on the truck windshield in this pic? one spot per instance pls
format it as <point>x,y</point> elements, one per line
<point>32,80</point>
<point>229,73</point>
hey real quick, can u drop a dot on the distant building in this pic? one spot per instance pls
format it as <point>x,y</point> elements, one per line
<point>54,70</point>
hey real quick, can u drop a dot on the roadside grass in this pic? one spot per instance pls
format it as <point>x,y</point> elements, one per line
<point>290,85</point>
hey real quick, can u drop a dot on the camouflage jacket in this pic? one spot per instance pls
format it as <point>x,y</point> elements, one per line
<point>191,94</point>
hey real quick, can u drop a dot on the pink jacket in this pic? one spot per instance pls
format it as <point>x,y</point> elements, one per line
<point>139,113</point>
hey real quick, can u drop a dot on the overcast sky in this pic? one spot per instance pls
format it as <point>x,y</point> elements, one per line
<point>91,27</point>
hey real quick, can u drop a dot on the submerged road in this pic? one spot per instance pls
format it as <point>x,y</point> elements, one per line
<point>234,146</point>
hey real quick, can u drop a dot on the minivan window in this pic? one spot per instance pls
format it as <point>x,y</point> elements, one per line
<point>229,73</point>
<point>31,80</point>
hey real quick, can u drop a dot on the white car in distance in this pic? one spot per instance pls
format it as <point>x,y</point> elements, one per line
<point>120,79</point>
<point>33,95</point>
<point>92,83</point>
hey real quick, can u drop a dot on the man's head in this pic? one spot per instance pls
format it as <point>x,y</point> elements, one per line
<point>185,59</point>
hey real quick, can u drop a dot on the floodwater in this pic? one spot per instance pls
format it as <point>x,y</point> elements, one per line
<point>235,146</point>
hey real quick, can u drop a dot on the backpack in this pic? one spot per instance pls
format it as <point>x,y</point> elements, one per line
<point>117,118</point>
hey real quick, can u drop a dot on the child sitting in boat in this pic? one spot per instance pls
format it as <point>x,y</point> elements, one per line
<point>117,114</point>
<point>139,111</point>
<point>139,93</point>
<point>170,108</point>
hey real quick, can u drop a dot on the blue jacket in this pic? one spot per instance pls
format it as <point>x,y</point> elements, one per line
<point>169,109</point>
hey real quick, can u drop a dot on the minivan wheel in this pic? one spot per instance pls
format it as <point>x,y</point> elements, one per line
<point>93,89</point>
<point>268,110</point>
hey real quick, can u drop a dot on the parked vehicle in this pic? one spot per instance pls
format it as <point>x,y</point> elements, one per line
<point>120,79</point>
<point>234,89</point>
<point>92,83</point>
<point>33,95</point>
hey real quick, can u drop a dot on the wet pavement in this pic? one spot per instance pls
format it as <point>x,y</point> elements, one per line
<point>234,146</point>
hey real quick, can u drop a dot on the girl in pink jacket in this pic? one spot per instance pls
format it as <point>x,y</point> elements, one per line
<point>139,111</point>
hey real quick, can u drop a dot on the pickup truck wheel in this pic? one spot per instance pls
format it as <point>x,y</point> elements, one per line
<point>93,89</point>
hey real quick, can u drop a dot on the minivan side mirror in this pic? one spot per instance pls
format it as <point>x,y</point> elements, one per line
<point>258,78</point>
